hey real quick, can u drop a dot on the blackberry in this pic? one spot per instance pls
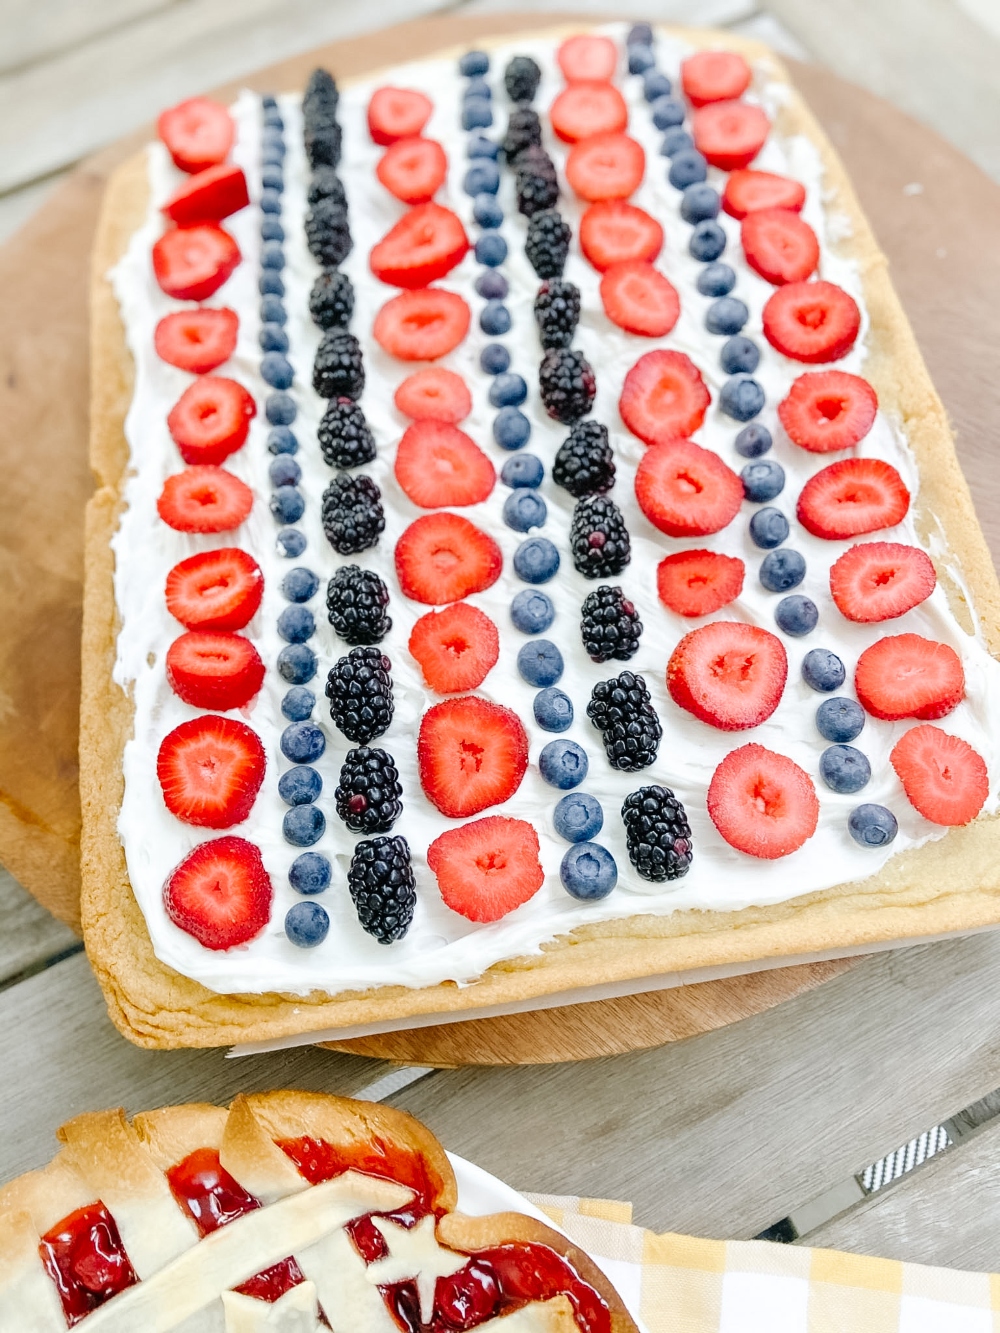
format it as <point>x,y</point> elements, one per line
<point>352,513</point>
<point>367,795</point>
<point>535,182</point>
<point>356,599</point>
<point>331,301</point>
<point>557,312</point>
<point>521,79</point>
<point>547,244</point>
<point>344,435</point>
<point>339,371</point>
<point>326,184</point>
<point>584,464</point>
<point>524,130</point>
<point>622,712</point>
<point>323,142</point>
<point>610,626</point>
<point>567,384</point>
<point>328,233</point>
<point>359,688</point>
<point>658,833</point>
<point>383,888</point>
<point>320,99</point>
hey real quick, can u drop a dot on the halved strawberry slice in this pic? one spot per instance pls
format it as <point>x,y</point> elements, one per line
<point>220,893</point>
<point>422,325</point>
<point>729,134</point>
<point>729,674</point>
<point>779,245</point>
<point>698,583</point>
<point>208,196</point>
<point>215,590</point>
<point>434,394</point>
<point>487,868</point>
<point>615,232</point>
<point>606,166</point>
<point>585,109</point>
<point>811,321</point>
<point>714,76</point>
<point>827,410</point>
<point>762,803</point>
<point>214,670</point>
<point>413,169</point>
<point>190,263</point>
<point>211,419</point>
<point>204,499</point>
<point>442,558</point>
<point>639,299</point>
<point>198,133</point>
<point>587,58</point>
<point>685,490</point>
<point>397,113</point>
<point>944,778</point>
<point>881,580</point>
<point>852,497</point>
<point>197,340</point>
<point>425,244</point>
<point>906,675</point>
<point>747,191</point>
<point>471,754</point>
<point>438,464</point>
<point>456,648</point>
<point>210,770</point>
<point>664,397</point>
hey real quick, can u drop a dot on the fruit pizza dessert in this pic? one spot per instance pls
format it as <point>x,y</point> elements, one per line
<point>290,1212</point>
<point>529,555</point>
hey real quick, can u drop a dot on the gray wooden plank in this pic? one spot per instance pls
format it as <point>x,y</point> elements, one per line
<point>704,13</point>
<point>32,32</point>
<point>28,933</point>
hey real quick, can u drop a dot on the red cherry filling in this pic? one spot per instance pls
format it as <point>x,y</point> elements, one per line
<point>85,1258</point>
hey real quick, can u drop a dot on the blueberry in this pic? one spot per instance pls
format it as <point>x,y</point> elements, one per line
<point>298,703</point>
<point>483,177</point>
<point>656,85</point>
<point>522,470</point>
<point>553,709</point>
<point>290,542</point>
<point>741,398</point>
<point>306,925</point>
<point>739,355</point>
<point>284,471</point>
<point>280,409</point>
<point>268,102</point>
<point>536,560</point>
<point>578,818</point>
<point>796,615</point>
<point>508,390</point>
<point>303,825</point>
<point>480,145</point>
<point>491,249</point>
<point>699,203</point>
<point>296,624</point>
<point>768,528</point>
<point>640,58</point>
<point>272,137</point>
<point>300,785</point>
<point>302,742</point>
<point>840,720</point>
<point>486,211</point>
<point>271,229</point>
<point>716,280</point>
<point>300,584</point>
<point>524,510</point>
<point>276,370</point>
<point>478,87</point>
<point>640,34</point>
<point>473,63</point>
<point>588,872</point>
<point>511,428</point>
<point>297,664</point>
<point>762,481</point>
<point>273,178</point>
<point>309,873</point>
<point>273,337</point>
<point>686,168</point>
<point>844,769</point>
<point>272,154</point>
<point>726,314</point>
<point>667,114</point>
<point>540,662</point>
<point>492,286</point>
<point>494,318</point>
<point>753,440</point>
<point>675,141</point>
<point>272,308</point>
<point>872,825</point>
<point>270,284</point>
<point>494,358</point>
<point>707,241</point>
<point>782,570</point>
<point>532,612</point>
<point>287,504</point>
<point>477,114</point>
<point>824,671</point>
<point>563,764</point>
<point>270,201</point>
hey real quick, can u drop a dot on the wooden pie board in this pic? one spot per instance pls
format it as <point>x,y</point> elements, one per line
<point>937,217</point>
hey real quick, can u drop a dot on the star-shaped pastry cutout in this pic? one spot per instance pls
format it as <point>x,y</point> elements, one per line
<point>414,1256</point>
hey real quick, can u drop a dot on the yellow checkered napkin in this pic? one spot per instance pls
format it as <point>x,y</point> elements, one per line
<point>679,1284</point>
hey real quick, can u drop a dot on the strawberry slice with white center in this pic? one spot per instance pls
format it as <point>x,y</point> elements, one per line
<point>587,58</point>
<point>762,802</point>
<point>605,166</point>
<point>639,299</point>
<point>211,419</point>
<point>208,196</point>
<point>487,868</point>
<point>852,497</point>
<point>443,558</point>
<point>434,394</point>
<point>471,754</point>
<point>728,674</point>
<point>685,490</point>
<point>779,245</point>
<point>214,669</point>
<point>663,397</point>
<point>397,113</point>
<point>190,263</point>
<point>944,778</point>
<point>422,325</point>
<point>906,675</point>
<point>881,580</point>
<point>204,499</point>
<point>747,191</point>
<point>827,410</point>
<point>585,109</point>
<point>698,583</point>
<point>220,893</point>
<point>215,590</point>
<point>814,322</point>
<point>198,133</point>
<point>617,232</point>
<point>438,464</point>
<point>714,76</point>
<point>455,648</point>
<point>197,340</point>
<point>413,169</point>
<point>729,134</point>
<point>425,244</point>
<point>210,771</point>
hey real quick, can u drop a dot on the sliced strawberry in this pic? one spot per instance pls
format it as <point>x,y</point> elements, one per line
<point>685,490</point>
<point>204,499</point>
<point>198,133</point>
<point>852,497</point>
<point>811,321</point>
<point>442,558</point>
<point>906,675</point>
<point>214,670</point>
<point>714,76</point>
<point>197,340</point>
<point>422,325</point>
<point>729,674</point>
<point>586,58</point>
<point>210,770</point>
<point>455,648</point>
<point>664,397</point>
<point>615,232</point>
<point>585,109</point>
<point>208,196</point>
<point>397,113</point>
<point>434,394</point>
<point>471,754</point>
<point>215,590</point>
<point>729,134</point>
<point>881,580</point>
<point>607,166</point>
<point>698,583</point>
<point>211,419</point>
<point>487,868</point>
<point>425,244</point>
<point>827,410</point>
<point>639,299</point>
<point>190,263</point>
<point>438,464</point>
<point>747,191</point>
<point>413,169</point>
<point>779,245</point>
<point>944,778</point>
<point>762,803</point>
<point>220,893</point>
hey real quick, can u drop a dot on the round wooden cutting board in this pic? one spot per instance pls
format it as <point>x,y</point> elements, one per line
<point>936,216</point>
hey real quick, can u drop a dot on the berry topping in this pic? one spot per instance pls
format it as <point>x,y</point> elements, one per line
<point>881,580</point>
<point>749,191</point>
<point>196,340</point>
<point>768,528</point>
<point>521,78</point>
<point>220,893</point>
<point>328,232</point>
<point>339,370</point>
<point>306,925</point>
<point>610,625</point>
<point>762,803</point>
<point>728,674</point>
<point>300,785</point>
<point>455,648</point>
<point>382,887</point>
<point>585,464</point>
<point>471,754</point>
<point>309,873</point>
<point>532,612</point>
<point>563,764</point>
<point>714,76</point>
<point>623,713</point>
<point>906,675</point>
<point>707,241</point>
<point>762,480</point>
<point>823,670</point>
<point>716,280</point>
<point>359,688</point>
<point>190,263</point>
<point>438,464</point>
<point>553,709</point>
<point>524,509</point>
<point>524,131</point>
<point>608,166</point>
<point>687,491</point>
<point>599,538</point>
<point>839,720</point>
<point>944,778</point>
<point>588,872</point>
<point>664,397</point>
<point>699,583</point>
<point>356,600</point>
<point>844,769</point>
<point>779,245</point>
<point>215,590</point>
<point>872,825</point>
<point>567,384</point>
<point>208,196</point>
<point>535,182</point>
<point>326,184</point>
<point>585,109</point>
<point>397,113</point>
<point>368,792</point>
<point>557,312</point>
<point>487,868</point>
<point>345,438</point>
<point>303,825</point>
<point>729,134</point>
<point>413,169</point>
<point>211,419</point>
<point>511,428</point>
<point>547,243</point>
<point>639,299</point>
<point>658,834</point>
<point>781,570</point>
<point>352,513</point>
<point>811,321</point>
<point>422,325</point>
<point>331,301</point>
<point>614,232</point>
<point>425,244</point>
<point>198,133</point>
<point>827,410</point>
<point>434,394</point>
<point>540,663</point>
<point>204,499</point>
<point>443,558</point>
<point>210,770</point>
<point>852,497</point>
<point>587,58</point>
<point>214,670</point>
<point>578,817</point>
